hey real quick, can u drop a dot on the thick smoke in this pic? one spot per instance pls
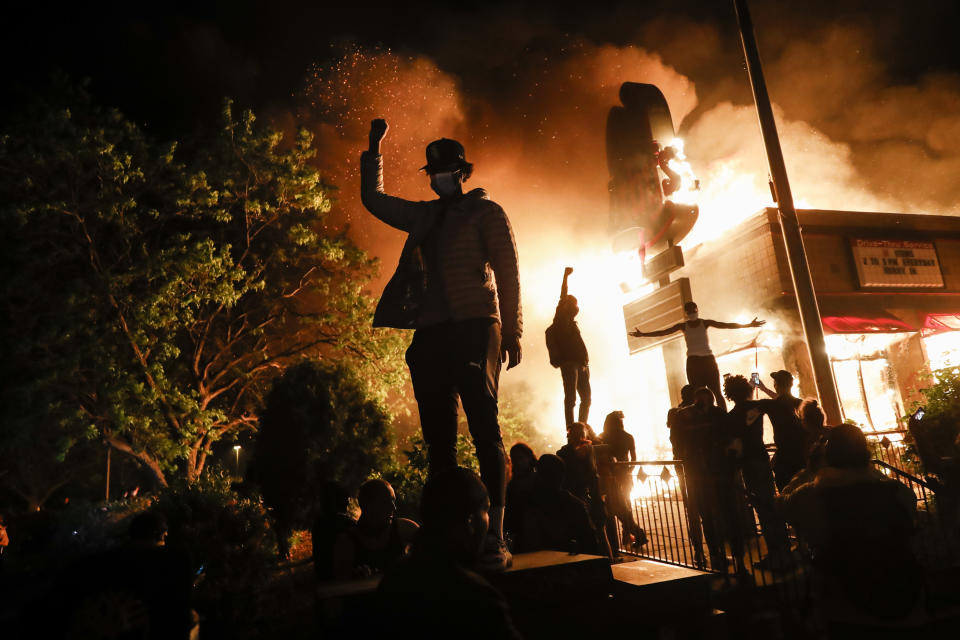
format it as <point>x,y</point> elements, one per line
<point>533,124</point>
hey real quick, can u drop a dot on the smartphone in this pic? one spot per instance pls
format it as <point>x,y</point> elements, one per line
<point>755,379</point>
<point>918,414</point>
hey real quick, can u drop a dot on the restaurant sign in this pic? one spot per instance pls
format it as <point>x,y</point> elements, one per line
<point>896,263</point>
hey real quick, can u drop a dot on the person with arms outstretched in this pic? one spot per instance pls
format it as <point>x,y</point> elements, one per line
<point>702,368</point>
<point>458,286</point>
<point>569,354</point>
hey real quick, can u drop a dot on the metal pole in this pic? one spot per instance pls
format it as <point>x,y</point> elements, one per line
<point>789,225</point>
<point>106,497</point>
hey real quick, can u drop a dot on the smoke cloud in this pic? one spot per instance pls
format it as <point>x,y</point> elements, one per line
<point>532,117</point>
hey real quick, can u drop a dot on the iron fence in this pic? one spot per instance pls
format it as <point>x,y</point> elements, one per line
<point>660,500</point>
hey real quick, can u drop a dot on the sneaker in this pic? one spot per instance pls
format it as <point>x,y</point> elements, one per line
<point>495,556</point>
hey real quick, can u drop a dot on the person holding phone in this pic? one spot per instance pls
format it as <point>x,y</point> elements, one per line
<point>789,434</point>
<point>702,368</point>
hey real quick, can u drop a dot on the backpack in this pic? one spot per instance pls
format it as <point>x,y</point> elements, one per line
<point>553,349</point>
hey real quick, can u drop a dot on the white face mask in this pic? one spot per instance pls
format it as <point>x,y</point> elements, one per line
<point>445,184</point>
<point>693,316</point>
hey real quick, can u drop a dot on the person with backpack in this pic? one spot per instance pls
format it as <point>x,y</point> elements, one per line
<point>569,354</point>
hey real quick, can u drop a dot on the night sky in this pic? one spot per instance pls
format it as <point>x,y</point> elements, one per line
<point>168,65</point>
<point>867,94</point>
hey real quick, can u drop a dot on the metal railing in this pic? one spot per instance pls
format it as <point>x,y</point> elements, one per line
<point>675,533</point>
<point>660,505</point>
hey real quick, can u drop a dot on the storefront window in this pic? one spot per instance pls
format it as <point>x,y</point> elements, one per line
<point>865,380</point>
<point>943,349</point>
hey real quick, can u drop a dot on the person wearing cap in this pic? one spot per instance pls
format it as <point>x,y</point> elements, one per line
<point>702,370</point>
<point>792,440</point>
<point>457,285</point>
<point>568,353</point>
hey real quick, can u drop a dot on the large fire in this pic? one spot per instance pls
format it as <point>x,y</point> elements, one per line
<point>537,144</point>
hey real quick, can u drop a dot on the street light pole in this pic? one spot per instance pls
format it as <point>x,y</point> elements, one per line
<point>789,225</point>
<point>106,496</point>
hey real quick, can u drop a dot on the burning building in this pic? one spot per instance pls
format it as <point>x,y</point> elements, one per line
<point>887,285</point>
<point>888,288</point>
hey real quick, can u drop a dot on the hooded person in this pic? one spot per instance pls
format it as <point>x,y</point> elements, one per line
<point>435,593</point>
<point>457,285</point>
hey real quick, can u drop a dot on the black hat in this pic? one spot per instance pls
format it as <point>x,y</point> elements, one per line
<point>444,155</point>
<point>782,375</point>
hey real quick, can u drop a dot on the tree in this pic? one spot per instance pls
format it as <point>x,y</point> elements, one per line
<point>320,424</point>
<point>155,294</point>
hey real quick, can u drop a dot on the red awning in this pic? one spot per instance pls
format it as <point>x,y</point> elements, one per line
<point>877,322</point>
<point>938,322</point>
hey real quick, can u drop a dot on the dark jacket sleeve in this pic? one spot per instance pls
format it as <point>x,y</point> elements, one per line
<point>396,212</point>
<point>497,235</point>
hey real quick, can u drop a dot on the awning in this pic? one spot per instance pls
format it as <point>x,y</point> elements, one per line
<point>861,314</point>
<point>938,322</point>
<point>875,322</point>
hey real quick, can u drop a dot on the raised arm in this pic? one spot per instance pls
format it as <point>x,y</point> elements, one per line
<point>563,287</point>
<point>636,333</point>
<point>734,325</point>
<point>396,212</point>
<point>763,387</point>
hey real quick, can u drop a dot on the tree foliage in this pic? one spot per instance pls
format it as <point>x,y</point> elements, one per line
<point>937,434</point>
<point>155,294</point>
<point>320,424</point>
<point>229,541</point>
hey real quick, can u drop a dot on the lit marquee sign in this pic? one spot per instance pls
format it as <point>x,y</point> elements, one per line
<point>896,263</point>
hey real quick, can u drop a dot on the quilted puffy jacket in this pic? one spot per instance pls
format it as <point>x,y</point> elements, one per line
<point>478,256</point>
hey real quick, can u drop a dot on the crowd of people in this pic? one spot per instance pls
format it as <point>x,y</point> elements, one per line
<point>457,286</point>
<point>571,501</point>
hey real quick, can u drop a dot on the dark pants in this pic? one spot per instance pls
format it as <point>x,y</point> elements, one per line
<point>576,380</point>
<point>702,371</point>
<point>460,359</point>
<point>712,503</point>
<point>758,480</point>
<point>787,462</point>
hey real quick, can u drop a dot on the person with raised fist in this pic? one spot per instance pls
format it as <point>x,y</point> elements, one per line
<point>568,353</point>
<point>457,285</point>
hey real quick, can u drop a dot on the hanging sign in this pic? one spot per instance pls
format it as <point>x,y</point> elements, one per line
<point>896,263</point>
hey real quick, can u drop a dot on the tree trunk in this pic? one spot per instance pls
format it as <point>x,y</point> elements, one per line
<point>143,458</point>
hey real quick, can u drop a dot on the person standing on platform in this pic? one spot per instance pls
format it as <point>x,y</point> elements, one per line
<point>569,354</point>
<point>457,284</point>
<point>702,368</point>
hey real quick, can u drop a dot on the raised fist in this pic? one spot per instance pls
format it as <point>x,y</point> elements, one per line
<point>568,271</point>
<point>378,129</point>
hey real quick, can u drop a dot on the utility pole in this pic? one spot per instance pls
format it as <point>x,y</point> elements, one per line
<point>106,497</point>
<point>789,225</point>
